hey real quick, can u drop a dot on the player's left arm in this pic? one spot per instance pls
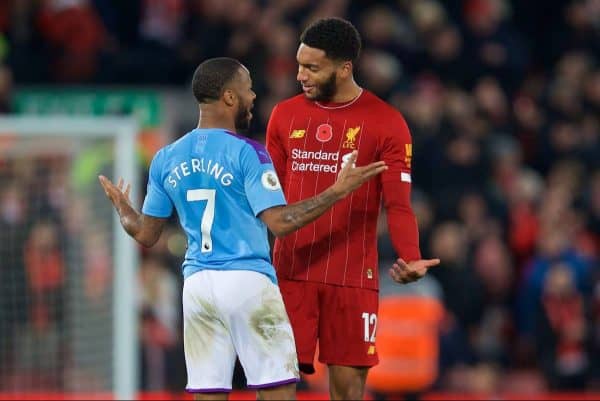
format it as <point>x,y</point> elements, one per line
<point>143,228</point>
<point>402,223</point>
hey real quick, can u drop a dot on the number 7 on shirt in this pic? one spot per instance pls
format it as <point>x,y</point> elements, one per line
<point>208,216</point>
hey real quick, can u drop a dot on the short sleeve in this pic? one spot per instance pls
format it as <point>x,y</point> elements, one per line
<point>157,202</point>
<point>261,183</point>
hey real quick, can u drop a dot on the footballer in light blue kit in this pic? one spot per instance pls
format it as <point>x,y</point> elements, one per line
<point>218,182</point>
<point>226,193</point>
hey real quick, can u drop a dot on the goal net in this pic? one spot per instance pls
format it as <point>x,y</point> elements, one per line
<point>67,269</point>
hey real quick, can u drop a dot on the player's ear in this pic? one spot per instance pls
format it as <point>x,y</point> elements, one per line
<point>229,97</point>
<point>345,69</point>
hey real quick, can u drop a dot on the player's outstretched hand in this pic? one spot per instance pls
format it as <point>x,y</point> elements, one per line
<point>352,177</point>
<point>117,195</point>
<point>403,273</point>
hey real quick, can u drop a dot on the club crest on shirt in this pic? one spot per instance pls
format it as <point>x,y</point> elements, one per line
<point>351,134</point>
<point>324,132</point>
<point>270,181</point>
<point>297,134</point>
<point>369,273</point>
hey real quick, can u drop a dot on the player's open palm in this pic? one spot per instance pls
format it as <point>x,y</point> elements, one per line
<point>352,177</point>
<point>116,193</point>
<point>403,272</point>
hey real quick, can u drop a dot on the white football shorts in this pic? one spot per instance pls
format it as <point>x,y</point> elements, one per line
<point>236,312</point>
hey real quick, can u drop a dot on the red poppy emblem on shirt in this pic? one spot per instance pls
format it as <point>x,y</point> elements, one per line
<point>324,132</point>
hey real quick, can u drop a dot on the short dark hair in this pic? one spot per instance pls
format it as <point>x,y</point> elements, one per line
<point>212,76</point>
<point>336,36</point>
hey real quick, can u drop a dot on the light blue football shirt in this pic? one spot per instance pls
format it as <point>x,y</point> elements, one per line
<point>218,182</point>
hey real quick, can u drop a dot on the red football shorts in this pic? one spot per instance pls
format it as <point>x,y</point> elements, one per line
<point>342,319</point>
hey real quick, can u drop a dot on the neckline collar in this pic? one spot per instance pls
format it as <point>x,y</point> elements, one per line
<point>331,106</point>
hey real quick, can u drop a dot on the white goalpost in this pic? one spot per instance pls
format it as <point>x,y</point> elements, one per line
<point>68,319</point>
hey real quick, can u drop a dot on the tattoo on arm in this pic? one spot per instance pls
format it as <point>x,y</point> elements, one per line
<point>301,213</point>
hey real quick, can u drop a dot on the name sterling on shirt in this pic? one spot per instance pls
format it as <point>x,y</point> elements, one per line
<point>313,161</point>
<point>199,166</point>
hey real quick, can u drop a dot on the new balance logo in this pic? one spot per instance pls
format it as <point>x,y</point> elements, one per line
<point>297,134</point>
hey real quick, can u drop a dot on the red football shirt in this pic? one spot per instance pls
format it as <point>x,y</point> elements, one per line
<point>308,142</point>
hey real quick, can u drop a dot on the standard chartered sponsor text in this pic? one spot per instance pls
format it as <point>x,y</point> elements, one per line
<point>315,161</point>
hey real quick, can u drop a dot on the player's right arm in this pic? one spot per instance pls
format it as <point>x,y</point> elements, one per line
<point>283,220</point>
<point>275,146</point>
<point>143,228</point>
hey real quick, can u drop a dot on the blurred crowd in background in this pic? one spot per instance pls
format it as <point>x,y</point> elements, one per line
<point>503,102</point>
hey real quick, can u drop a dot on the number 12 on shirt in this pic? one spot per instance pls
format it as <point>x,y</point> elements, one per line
<point>208,216</point>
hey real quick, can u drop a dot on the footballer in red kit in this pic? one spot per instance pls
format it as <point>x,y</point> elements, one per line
<point>308,142</point>
<point>328,270</point>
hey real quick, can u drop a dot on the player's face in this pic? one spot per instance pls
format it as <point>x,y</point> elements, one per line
<point>316,73</point>
<point>246,98</point>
